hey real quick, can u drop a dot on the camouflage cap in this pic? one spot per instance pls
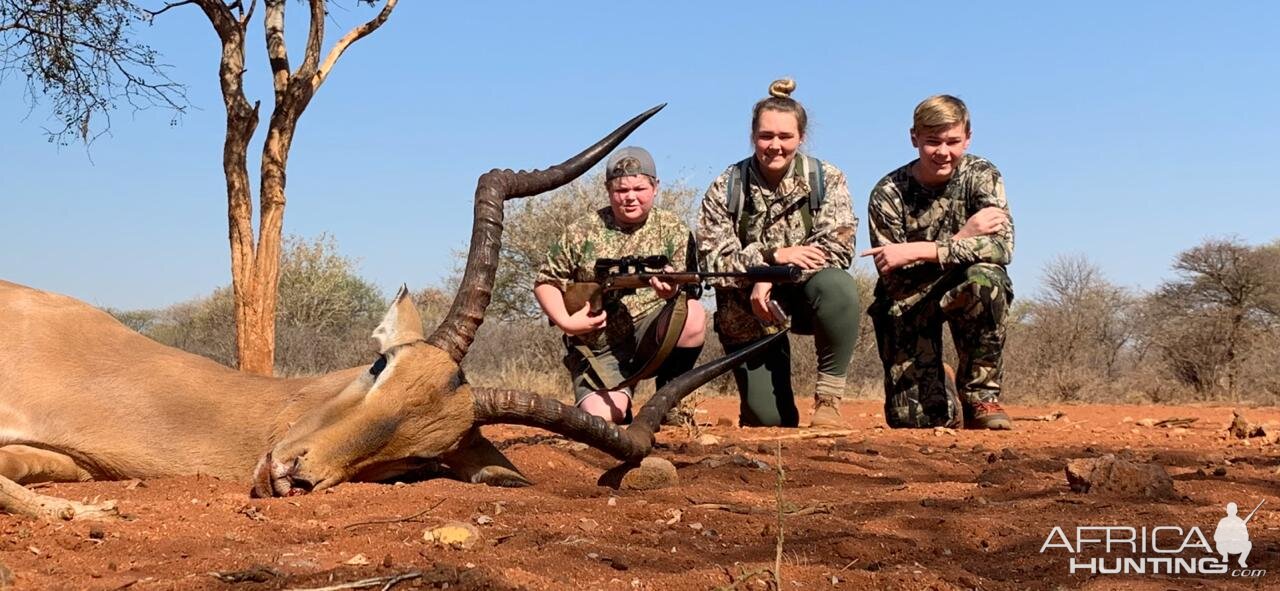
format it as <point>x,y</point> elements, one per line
<point>630,161</point>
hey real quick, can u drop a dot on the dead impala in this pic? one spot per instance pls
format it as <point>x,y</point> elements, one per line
<point>84,397</point>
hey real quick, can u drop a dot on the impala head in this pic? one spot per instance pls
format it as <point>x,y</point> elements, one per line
<point>414,405</point>
<point>407,405</point>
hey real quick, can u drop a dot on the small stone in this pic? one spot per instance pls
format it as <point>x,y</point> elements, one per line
<point>387,562</point>
<point>926,450</point>
<point>1009,454</point>
<point>991,458</point>
<point>979,448</point>
<point>652,473</point>
<point>483,520</point>
<point>708,440</point>
<point>454,534</point>
<point>357,560</point>
<point>613,502</point>
<point>696,526</point>
<point>1220,471</point>
<point>1147,422</point>
<point>96,533</point>
<point>1127,420</point>
<point>588,524</point>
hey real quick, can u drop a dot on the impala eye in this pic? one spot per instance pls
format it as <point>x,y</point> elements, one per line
<point>378,366</point>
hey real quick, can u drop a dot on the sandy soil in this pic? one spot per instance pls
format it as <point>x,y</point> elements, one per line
<point>876,509</point>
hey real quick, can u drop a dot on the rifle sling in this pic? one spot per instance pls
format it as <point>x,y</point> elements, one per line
<point>678,307</point>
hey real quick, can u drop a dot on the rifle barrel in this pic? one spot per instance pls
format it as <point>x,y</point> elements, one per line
<point>778,273</point>
<point>1255,510</point>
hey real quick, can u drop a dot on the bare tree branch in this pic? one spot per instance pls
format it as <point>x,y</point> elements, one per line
<point>315,40</point>
<point>168,6</point>
<point>351,37</point>
<point>277,52</point>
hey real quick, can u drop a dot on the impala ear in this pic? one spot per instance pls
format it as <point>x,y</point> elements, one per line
<point>401,325</point>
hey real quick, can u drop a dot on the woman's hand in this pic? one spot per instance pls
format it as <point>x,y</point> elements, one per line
<point>760,295</point>
<point>582,322</point>
<point>804,256</point>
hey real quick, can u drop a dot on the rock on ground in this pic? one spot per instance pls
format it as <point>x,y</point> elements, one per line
<point>1115,476</point>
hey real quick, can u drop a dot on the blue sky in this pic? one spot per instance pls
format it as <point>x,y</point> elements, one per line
<point>1126,132</point>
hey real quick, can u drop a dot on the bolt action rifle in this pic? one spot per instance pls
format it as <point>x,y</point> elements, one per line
<point>634,272</point>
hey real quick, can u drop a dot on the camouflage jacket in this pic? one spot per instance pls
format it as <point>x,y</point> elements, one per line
<point>901,209</point>
<point>778,221</point>
<point>572,259</point>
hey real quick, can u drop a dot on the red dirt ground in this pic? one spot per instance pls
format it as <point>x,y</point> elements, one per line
<point>877,509</point>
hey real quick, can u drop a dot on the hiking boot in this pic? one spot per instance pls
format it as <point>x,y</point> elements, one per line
<point>986,415</point>
<point>826,415</point>
<point>678,417</point>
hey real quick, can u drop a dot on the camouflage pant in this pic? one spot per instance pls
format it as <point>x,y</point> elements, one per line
<point>973,301</point>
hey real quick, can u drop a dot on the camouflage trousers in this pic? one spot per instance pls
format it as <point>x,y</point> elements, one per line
<point>973,301</point>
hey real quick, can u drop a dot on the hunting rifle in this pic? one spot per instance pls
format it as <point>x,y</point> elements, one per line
<point>634,272</point>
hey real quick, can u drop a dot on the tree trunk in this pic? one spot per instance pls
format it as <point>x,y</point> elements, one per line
<point>255,264</point>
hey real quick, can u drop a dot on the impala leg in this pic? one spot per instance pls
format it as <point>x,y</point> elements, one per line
<point>480,462</point>
<point>27,465</point>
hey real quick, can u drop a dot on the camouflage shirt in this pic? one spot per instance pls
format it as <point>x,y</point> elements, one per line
<point>572,258</point>
<point>901,209</point>
<point>773,219</point>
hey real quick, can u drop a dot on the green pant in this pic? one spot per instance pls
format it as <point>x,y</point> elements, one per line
<point>974,302</point>
<point>825,306</point>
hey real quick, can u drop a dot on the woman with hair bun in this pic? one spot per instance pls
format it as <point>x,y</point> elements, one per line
<point>781,207</point>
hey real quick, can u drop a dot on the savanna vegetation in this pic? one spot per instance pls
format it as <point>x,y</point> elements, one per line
<point>1210,333</point>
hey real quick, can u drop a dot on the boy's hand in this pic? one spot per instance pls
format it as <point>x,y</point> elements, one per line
<point>804,256</point>
<point>664,290</point>
<point>988,220</point>
<point>895,256</point>
<point>582,322</point>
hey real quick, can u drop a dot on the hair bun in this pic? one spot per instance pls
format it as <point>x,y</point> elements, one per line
<point>782,88</point>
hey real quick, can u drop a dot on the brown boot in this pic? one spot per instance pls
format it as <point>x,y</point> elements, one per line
<point>986,415</point>
<point>826,415</point>
<point>826,402</point>
<point>680,416</point>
